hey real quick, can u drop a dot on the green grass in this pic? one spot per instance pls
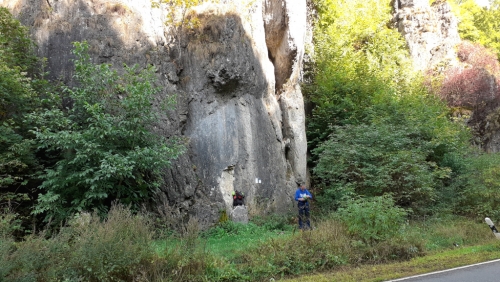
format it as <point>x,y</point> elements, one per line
<point>231,247</point>
<point>252,252</point>
<point>230,240</point>
<point>259,252</point>
<point>444,259</point>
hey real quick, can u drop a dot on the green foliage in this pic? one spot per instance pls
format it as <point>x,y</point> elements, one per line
<point>105,140</point>
<point>230,228</point>
<point>120,248</point>
<point>476,189</point>
<point>325,248</point>
<point>402,151</point>
<point>89,249</point>
<point>179,17</point>
<point>9,223</point>
<point>359,62</point>
<point>374,128</point>
<point>374,160</point>
<point>16,46</point>
<point>117,248</point>
<point>372,219</point>
<point>114,249</point>
<point>20,88</point>
<point>479,24</point>
<point>275,222</point>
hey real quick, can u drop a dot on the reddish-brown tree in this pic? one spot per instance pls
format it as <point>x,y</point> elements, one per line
<point>474,84</point>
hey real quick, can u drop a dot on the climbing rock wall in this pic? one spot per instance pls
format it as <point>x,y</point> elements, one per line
<point>236,79</point>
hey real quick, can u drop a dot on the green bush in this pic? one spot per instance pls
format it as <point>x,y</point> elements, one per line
<point>327,247</point>
<point>18,96</point>
<point>397,248</point>
<point>89,249</point>
<point>371,160</point>
<point>105,141</point>
<point>117,248</point>
<point>373,219</point>
<point>359,62</point>
<point>476,189</point>
<point>374,128</point>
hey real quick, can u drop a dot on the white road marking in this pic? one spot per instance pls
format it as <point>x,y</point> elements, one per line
<point>443,271</point>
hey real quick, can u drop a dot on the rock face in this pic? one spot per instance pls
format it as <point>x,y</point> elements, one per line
<point>239,214</point>
<point>431,32</point>
<point>236,78</point>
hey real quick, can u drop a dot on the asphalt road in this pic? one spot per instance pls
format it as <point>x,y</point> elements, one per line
<point>481,272</point>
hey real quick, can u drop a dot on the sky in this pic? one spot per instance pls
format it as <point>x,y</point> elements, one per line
<point>482,2</point>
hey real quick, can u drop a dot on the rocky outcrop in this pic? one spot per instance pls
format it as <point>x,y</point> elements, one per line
<point>431,32</point>
<point>236,78</point>
<point>240,214</point>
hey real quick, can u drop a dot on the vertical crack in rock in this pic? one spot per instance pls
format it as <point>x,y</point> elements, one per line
<point>285,23</point>
<point>281,48</point>
<point>226,185</point>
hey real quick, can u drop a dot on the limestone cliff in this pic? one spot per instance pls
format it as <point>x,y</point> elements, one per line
<point>236,77</point>
<point>431,31</point>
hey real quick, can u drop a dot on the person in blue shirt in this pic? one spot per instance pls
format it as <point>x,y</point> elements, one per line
<point>302,196</point>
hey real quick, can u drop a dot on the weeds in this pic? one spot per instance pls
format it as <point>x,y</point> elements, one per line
<point>123,247</point>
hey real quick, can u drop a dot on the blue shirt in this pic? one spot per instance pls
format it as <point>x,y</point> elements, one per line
<point>300,194</point>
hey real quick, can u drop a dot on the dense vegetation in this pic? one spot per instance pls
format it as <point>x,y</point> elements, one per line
<point>479,24</point>
<point>72,149</point>
<point>378,128</point>
<point>397,173</point>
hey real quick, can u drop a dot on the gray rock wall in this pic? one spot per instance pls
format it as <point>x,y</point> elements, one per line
<point>431,32</point>
<point>236,79</point>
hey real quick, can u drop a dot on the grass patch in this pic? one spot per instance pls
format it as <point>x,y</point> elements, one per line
<point>231,247</point>
<point>433,262</point>
<point>231,240</point>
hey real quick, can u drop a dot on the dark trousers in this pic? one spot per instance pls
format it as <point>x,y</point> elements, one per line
<point>304,222</point>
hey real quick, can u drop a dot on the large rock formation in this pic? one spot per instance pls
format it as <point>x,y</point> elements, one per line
<point>236,75</point>
<point>431,31</point>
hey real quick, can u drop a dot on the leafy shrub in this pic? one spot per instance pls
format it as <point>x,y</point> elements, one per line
<point>37,259</point>
<point>18,97</point>
<point>16,45</point>
<point>371,112</point>
<point>372,219</point>
<point>9,223</point>
<point>475,85</point>
<point>372,160</point>
<point>477,187</point>
<point>105,140</point>
<point>470,88</point>
<point>329,246</point>
<point>118,248</point>
<point>397,248</point>
<point>359,62</point>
